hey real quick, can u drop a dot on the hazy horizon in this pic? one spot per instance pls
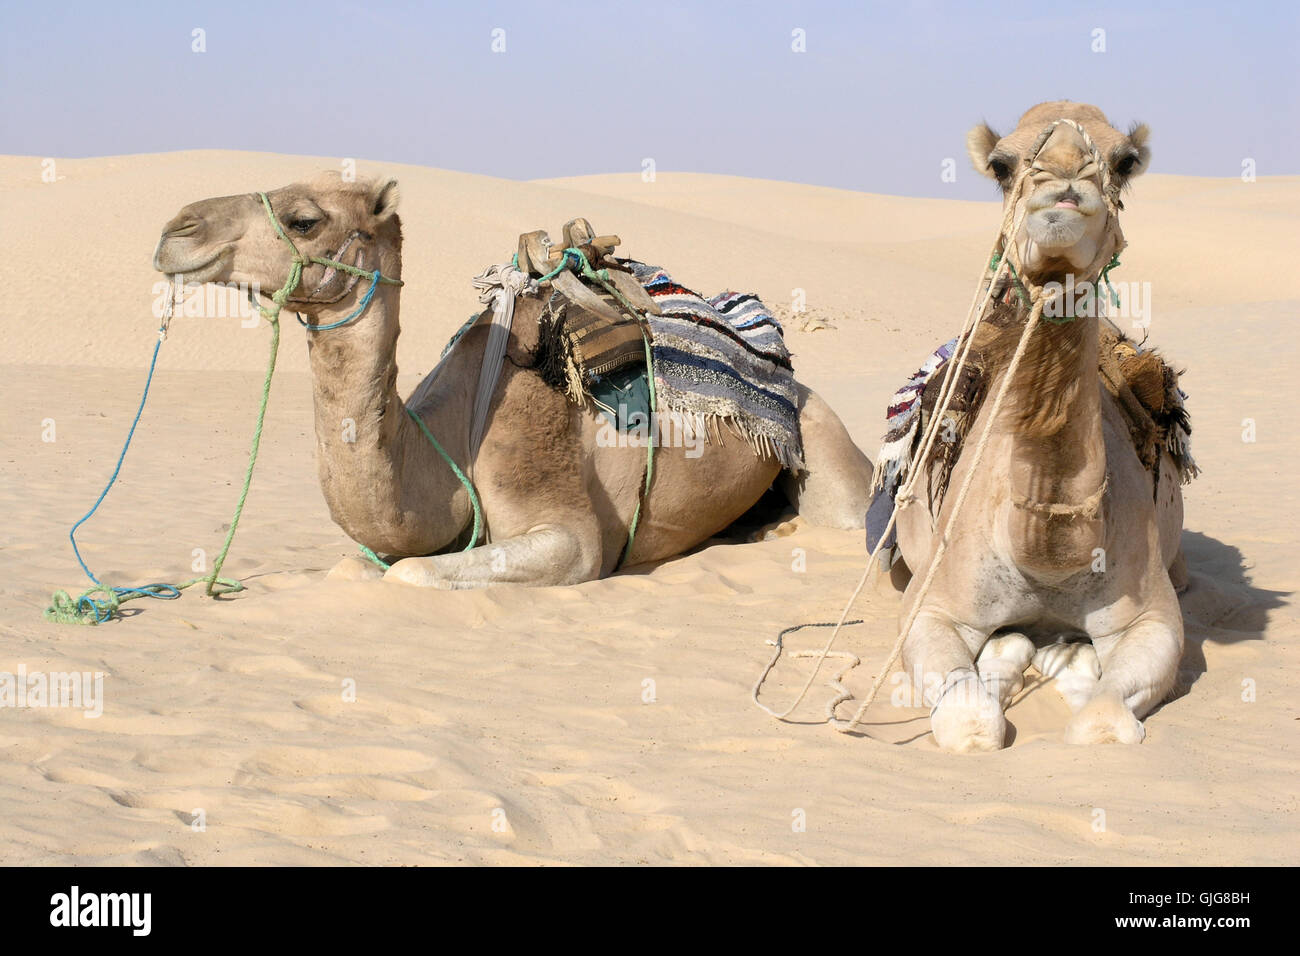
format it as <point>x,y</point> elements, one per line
<point>879,100</point>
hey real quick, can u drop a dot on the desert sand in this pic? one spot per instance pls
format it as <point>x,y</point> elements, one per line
<point>608,722</point>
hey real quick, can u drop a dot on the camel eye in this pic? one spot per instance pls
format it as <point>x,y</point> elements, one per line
<point>1000,167</point>
<point>303,226</point>
<point>1125,166</point>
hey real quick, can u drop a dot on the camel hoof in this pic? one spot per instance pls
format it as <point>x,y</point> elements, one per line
<point>968,719</point>
<point>1001,665</point>
<point>353,568</point>
<point>1104,720</point>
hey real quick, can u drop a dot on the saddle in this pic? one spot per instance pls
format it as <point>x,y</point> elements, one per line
<point>598,334</point>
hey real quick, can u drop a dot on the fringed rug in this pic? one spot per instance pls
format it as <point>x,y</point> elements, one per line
<point>723,360</point>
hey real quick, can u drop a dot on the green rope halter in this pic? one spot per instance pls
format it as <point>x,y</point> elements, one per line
<point>300,262</point>
<point>1065,319</point>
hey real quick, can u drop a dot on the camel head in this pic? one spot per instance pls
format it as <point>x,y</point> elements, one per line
<point>230,239</point>
<point>1065,211</point>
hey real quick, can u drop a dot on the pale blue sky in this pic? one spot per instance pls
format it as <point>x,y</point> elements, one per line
<point>884,93</point>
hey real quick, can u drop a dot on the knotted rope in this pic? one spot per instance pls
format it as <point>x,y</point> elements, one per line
<point>1004,257</point>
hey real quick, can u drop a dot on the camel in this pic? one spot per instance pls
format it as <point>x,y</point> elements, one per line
<point>1067,553</point>
<point>556,505</point>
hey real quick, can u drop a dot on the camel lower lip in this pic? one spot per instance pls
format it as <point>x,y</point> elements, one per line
<point>198,273</point>
<point>1067,205</point>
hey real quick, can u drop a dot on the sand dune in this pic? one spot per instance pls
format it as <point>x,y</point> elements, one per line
<point>512,726</point>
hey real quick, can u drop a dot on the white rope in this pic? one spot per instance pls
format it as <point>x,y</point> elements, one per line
<point>1006,247</point>
<point>974,315</point>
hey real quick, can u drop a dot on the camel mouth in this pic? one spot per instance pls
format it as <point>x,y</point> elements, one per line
<point>167,262</point>
<point>1059,227</point>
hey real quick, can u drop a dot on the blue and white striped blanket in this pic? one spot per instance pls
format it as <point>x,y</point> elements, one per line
<point>723,358</point>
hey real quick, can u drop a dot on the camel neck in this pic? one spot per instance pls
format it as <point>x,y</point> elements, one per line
<point>1058,454</point>
<point>385,485</point>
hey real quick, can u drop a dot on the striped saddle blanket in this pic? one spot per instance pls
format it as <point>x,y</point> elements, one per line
<point>723,360</point>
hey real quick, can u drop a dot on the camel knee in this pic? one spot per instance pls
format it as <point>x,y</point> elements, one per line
<point>1142,666</point>
<point>353,568</point>
<point>543,557</point>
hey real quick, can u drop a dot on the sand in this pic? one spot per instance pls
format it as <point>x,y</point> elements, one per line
<point>609,722</point>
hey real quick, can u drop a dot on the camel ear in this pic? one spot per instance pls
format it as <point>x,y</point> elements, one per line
<point>385,200</point>
<point>1138,136</point>
<point>979,143</point>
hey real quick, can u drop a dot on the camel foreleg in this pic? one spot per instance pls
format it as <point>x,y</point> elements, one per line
<point>967,716</point>
<point>545,556</point>
<point>1138,669</point>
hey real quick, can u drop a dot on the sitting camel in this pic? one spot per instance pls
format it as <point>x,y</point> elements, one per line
<point>556,505</point>
<point>1064,550</point>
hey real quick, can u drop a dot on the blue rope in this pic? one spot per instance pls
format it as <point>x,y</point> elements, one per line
<point>361,307</point>
<point>103,610</point>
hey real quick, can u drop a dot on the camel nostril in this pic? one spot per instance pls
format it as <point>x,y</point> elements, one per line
<point>178,228</point>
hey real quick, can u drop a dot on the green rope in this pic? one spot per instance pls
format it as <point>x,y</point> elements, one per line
<point>1105,277</point>
<point>1064,320</point>
<point>464,480</point>
<point>1020,288</point>
<point>88,609</point>
<point>469,485</point>
<point>649,451</point>
<point>252,462</point>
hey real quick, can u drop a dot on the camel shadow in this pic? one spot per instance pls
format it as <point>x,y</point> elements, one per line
<point>1220,604</point>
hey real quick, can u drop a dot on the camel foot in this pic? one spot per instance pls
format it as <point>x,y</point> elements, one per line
<point>415,571</point>
<point>778,529</point>
<point>967,718</point>
<point>1075,669</point>
<point>1002,664</point>
<point>353,568</point>
<point>1104,720</point>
